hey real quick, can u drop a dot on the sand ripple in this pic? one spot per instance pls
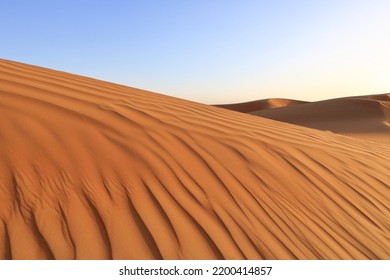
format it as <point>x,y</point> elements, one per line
<point>94,170</point>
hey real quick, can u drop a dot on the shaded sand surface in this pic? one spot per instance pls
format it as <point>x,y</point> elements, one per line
<point>364,117</point>
<point>95,170</point>
<point>253,106</point>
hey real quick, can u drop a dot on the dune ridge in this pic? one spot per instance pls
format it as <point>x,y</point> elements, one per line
<point>95,170</point>
<point>363,117</point>
<point>252,107</point>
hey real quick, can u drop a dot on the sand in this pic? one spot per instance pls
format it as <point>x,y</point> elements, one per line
<point>363,117</point>
<point>95,170</point>
<point>254,106</point>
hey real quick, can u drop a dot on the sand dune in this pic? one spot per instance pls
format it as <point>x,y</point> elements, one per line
<point>94,170</point>
<point>364,117</point>
<point>254,106</point>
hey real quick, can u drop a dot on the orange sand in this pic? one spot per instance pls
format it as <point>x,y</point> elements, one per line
<point>253,106</point>
<point>364,117</point>
<point>95,170</point>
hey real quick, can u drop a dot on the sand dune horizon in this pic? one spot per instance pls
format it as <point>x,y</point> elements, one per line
<point>363,117</point>
<point>262,104</point>
<point>95,170</point>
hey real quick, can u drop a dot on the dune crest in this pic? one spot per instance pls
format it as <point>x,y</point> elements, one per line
<point>363,117</point>
<point>252,107</point>
<point>95,170</point>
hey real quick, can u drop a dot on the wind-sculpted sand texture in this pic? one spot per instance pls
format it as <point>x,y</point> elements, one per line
<point>364,117</point>
<point>94,170</point>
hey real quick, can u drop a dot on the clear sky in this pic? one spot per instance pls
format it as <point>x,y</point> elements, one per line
<point>211,51</point>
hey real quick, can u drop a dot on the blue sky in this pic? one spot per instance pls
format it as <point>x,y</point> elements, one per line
<point>215,51</point>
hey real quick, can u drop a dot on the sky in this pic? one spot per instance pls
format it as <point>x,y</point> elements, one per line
<point>209,51</point>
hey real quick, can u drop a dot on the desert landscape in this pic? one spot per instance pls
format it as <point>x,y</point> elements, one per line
<point>364,117</point>
<point>96,170</point>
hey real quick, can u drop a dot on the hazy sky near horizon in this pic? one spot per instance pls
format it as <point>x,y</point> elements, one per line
<point>210,51</point>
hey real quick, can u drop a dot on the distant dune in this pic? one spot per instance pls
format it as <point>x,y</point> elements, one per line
<point>95,170</point>
<point>253,106</point>
<point>364,117</point>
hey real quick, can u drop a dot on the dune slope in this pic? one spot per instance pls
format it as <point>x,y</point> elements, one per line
<point>252,107</point>
<point>94,170</point>
<point>364,117</point>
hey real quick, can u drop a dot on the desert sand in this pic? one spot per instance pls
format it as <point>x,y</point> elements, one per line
<point>252,107</point>
<point>95,170</point>
<point>364,117</point>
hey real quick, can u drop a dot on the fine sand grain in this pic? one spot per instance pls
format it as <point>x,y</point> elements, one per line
<point>95,170</point>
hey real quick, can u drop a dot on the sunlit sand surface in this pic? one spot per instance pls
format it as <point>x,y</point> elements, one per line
<point>95,170</point>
